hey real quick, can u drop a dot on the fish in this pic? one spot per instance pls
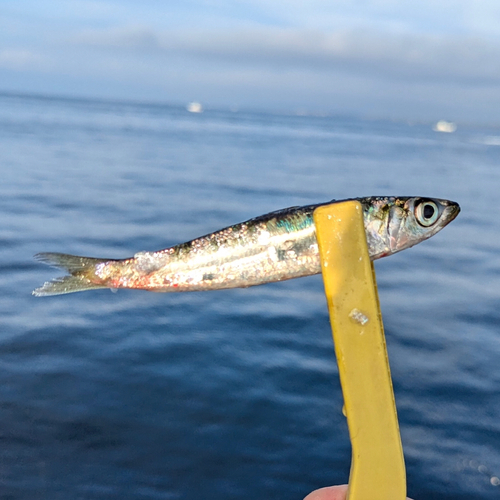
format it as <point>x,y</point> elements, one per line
<point>277,246</point>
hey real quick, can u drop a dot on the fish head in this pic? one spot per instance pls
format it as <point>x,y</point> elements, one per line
<point>393,224</point>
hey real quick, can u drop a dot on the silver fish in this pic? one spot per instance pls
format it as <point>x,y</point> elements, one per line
<point>273,247</point>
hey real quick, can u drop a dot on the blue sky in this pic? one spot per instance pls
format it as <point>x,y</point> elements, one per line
<point>422,60</point>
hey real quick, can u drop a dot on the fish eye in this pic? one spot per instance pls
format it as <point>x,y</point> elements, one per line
<point>426,213</point>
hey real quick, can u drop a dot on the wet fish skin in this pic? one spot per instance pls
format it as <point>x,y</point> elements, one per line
<point>277,246</point>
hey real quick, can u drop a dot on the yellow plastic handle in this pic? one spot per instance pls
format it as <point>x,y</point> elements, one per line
<point>377,468</point>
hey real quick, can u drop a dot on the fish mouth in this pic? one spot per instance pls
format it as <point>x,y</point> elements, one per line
<point>452,210</point>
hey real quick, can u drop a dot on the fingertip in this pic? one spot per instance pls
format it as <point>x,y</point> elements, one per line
<point>329,493</point>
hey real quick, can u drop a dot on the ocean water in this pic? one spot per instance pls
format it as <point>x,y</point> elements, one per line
<point>233,394</point>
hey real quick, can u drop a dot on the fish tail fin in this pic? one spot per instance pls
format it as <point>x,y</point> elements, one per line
<point>81,276</point>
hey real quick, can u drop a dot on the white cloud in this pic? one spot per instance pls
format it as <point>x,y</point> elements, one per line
<point>20,59</point>
<point>412,57</point>
<point>128,38</point>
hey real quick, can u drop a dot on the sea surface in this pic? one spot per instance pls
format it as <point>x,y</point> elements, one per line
<point>233,394</point>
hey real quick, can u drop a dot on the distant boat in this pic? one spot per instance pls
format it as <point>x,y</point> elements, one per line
<point>194,107</point>
<point>444,126</point>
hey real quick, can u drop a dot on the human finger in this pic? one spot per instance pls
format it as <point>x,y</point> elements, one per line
<point>329,493</point>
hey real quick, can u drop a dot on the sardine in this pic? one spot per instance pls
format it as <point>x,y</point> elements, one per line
<point>277,246</point>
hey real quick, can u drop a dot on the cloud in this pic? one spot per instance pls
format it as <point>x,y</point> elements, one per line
<point>395,56</point>
<point>19,59</point>
<point>387,58</point>
<point>129,38</point>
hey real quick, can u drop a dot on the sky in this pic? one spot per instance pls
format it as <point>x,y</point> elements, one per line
<point>413,60</point>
